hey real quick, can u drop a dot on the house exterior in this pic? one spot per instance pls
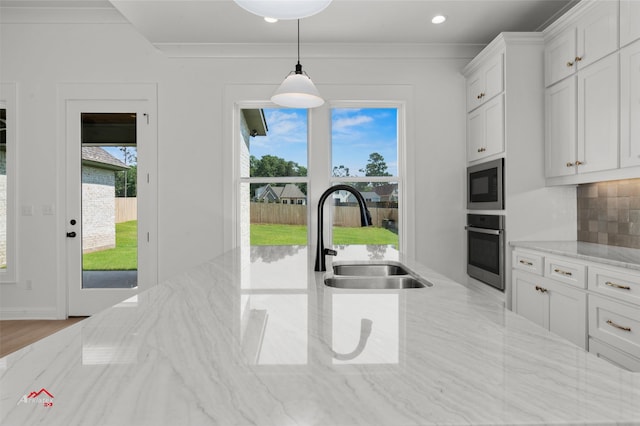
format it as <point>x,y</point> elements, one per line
<point>287,194</point>
<point>387,192</point>
<point>99,198</point>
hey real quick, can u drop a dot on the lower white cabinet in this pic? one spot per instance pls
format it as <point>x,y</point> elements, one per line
<point>555,306</point>
<point>593,305</point>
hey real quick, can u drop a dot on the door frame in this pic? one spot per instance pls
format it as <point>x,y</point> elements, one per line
<point>68,93</point>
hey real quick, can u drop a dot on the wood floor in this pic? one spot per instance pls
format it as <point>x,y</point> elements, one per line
<point>16,334</point>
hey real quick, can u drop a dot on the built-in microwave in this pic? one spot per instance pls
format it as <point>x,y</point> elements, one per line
<point>485,186</point>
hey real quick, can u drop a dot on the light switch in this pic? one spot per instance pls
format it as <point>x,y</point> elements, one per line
<point>48,209</point>
<point>27,210</point>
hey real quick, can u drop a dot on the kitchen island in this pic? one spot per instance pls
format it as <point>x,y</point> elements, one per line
<point>254,337</point>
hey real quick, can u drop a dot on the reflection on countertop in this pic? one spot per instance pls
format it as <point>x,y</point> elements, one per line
<point>255,337</point>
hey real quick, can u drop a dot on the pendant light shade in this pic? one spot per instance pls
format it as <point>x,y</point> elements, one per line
<point>297,90</point>
<point>284,9</point>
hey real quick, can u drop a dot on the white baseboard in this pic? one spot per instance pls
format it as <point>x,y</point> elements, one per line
<point>28,313</point>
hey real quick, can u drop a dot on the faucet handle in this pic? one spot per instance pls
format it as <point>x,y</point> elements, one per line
<point>330,252</point>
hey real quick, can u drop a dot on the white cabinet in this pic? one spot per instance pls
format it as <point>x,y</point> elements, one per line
<point>591,304</point>
<point>598,116</point>
<point>485,127</point>
<point>584,39</point>
<point>630,102</point>
<point>561,129</point>
<point>557,307</point>
<point>582,122</point>
<point>629,21</point>
<point>486,82</point>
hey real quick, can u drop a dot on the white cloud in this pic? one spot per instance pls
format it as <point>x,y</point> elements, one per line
<point>343,124</point>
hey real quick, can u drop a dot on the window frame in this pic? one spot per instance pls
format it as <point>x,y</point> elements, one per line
<point>8,101</point>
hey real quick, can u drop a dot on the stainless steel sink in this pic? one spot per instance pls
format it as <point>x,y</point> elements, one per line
<point>373,275</point>
<point>376,283</point>
<point>369,270</point>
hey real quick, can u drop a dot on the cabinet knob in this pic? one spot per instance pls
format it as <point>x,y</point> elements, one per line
<point>482,149</point>
<point>570,64</point>
<point>480,96</point>
<point>578,58</point>
<point>570,164</point>
<point>579,163</point>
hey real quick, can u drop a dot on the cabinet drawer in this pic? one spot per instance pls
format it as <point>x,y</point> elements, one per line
<point>529,262</point>
<point>566,271</point>
<point>615,323</point>
<point>614,356</point>
<point>619,284</point>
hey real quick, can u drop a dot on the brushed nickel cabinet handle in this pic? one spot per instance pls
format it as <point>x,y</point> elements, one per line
<point>614,285</point>
<point>569,64</point>
<point>570,164</point>
<point>526,262</point>
<point>578,58</point>
<point>541,289</point>
<point>620,327</point>
<point>561,272</point>
<point>579,163</point>
<point>480,96</point>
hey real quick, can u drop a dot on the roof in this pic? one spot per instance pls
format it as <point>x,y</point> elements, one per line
<point>290,190</point>
<point>256,122</point>
<point>386,189</point>
<point>98,157</point>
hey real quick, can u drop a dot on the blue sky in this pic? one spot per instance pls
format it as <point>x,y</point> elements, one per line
<point>356,133</point>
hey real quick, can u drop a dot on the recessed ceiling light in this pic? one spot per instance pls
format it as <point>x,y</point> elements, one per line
<point>270,20</point>
<point>438,19</point>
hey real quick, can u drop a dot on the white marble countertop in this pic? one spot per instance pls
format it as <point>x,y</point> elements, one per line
<point>255,338</point>
<point>622,257</point>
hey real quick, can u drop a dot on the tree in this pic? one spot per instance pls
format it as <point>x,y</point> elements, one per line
<point>126,181</point>
<point>376,166</point>
<point>272,166</point>
<point>341,171</point>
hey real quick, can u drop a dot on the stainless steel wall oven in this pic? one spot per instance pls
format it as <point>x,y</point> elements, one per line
<point>485,248</point>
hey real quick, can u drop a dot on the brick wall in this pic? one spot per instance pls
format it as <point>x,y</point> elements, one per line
<point>609,213</point>
<point>98,209</point>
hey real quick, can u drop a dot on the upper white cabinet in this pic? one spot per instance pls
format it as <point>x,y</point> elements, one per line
<point>630,104</point>
<point>582,122</point>
<point>629,21</point>
<point>486,130</point>
<point>505,79</point>
<point>581,42</point>
<point>486,82</point>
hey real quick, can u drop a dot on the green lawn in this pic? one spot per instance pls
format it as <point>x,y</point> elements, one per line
<point>122,258</point>
<point>273,235</point>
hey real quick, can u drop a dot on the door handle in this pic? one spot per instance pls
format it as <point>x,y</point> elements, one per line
<point>71,234</point>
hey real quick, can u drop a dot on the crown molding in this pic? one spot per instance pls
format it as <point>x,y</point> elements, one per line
<point>60,15</point>
<point>324,50</point>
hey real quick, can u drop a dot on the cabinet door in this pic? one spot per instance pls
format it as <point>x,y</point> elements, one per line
<point>630,104</point>
<point>567,313</point>
<point>559,56</point>
<point>598,103</point>
<point>528,299</point>
<point>486,130</point>
<point>560,129</point>
<point>597,33</point>
<point>629,21</point>
<point>486,83</point>
<point>475,134</point>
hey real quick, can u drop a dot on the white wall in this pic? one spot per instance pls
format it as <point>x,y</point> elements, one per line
<point>39,56</point>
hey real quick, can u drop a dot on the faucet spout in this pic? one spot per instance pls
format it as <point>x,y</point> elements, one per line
<point>365,220</point>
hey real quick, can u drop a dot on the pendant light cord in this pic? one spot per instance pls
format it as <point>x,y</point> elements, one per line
<point>298,66</point>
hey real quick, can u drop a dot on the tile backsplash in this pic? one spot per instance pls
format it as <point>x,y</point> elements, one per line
<point>609,213</point>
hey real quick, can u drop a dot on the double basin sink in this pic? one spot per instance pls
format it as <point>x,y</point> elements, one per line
<point>385,275</point>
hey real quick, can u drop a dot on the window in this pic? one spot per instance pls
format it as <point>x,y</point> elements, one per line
<point>273,173</point>
<point>364,152</point>
<point>7,183</point>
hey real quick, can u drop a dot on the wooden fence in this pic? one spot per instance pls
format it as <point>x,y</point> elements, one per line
<point>292,214</point>
<point>126,209</point>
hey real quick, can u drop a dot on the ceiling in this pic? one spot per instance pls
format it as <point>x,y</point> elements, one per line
<point>343,22</point>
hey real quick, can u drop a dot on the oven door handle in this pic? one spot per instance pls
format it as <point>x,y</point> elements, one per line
<point>483,230</point>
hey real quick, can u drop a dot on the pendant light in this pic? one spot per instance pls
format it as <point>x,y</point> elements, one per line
<point>297,90</point>
<point>284,9</point>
